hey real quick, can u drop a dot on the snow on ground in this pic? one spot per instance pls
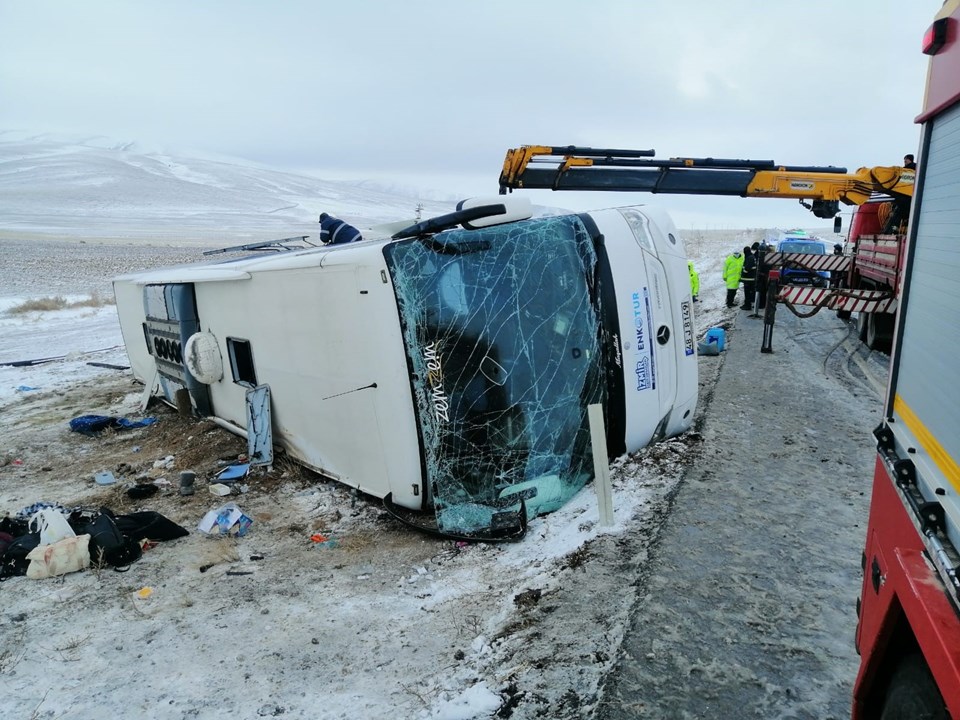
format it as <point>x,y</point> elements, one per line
<point>378,622</point>
<point>69,338</point>
<point>752,584</point>
<point>388,623</point>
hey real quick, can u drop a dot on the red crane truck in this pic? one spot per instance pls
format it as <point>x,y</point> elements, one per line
<point>908,633</point>
<point>871,274</point>
<point>879,253</point>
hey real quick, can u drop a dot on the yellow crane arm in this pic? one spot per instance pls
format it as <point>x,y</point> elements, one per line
<point>848,188</point>
<point>582,168</point>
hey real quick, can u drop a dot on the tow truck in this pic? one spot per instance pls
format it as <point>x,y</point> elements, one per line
<point>870,287</point>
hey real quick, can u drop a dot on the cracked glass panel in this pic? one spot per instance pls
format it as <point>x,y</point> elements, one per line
<point>503,343</point>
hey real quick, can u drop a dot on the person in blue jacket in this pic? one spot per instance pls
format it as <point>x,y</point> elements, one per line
<point>334,231</point>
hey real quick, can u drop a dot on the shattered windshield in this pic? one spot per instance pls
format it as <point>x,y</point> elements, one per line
<point>503,344</point>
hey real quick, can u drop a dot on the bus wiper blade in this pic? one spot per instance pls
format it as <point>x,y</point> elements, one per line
<point>445,222</point>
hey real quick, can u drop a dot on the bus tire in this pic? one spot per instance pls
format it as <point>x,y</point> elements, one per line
<point>912,693</point>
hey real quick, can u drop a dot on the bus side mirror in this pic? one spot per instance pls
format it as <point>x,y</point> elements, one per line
<point>837,224</point>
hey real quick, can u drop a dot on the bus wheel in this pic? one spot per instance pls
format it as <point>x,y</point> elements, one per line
<point>912,693</point>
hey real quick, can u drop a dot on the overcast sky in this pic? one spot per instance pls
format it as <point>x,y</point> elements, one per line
<point>432,93</point>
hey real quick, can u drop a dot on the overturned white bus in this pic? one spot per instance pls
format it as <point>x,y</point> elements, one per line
<point>446,369</point>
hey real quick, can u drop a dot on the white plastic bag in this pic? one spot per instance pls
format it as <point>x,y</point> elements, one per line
<point>52,526</point>
<point>225,520</point>
<point>62,557</point>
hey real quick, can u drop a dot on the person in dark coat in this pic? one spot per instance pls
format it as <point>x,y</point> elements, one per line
<point>909,163</point>
<point>334,231</point>
<point>761,250</point>
<point>836,276</point>
<point>749,278</point>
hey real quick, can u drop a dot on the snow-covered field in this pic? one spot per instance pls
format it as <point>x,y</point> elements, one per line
<point>98,189</point>
<point>380,623</point>
<point>386,624</point>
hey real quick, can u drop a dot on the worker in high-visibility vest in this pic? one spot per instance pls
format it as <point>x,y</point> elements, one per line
<point>694,280</point>
<point>732,268</point>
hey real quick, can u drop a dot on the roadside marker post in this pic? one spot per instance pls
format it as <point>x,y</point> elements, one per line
<point>601,466</point>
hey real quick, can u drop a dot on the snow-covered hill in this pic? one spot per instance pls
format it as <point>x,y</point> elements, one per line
<point>93,187</point>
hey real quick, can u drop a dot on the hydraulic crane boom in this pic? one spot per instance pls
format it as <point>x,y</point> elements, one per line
<point>820,189</point>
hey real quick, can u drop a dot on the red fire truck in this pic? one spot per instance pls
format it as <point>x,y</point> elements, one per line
<point>908,634</point>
